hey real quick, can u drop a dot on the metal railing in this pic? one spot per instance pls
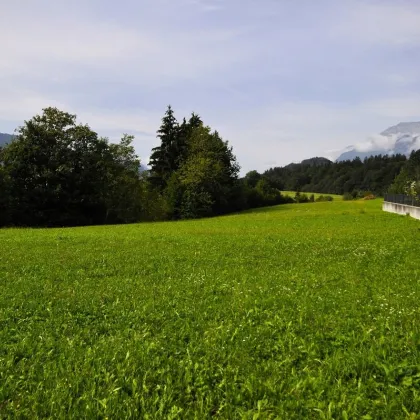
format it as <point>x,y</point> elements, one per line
<point>408,200</point>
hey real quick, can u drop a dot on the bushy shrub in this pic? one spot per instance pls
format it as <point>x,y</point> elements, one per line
<point>369,197</point>
<point>4,199</point>
<point>324,198</point>
<point>263,194</point>
<point>301,198</point>
<point>347,197</point>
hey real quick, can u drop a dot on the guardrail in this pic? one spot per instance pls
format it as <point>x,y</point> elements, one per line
<point>407,200</point>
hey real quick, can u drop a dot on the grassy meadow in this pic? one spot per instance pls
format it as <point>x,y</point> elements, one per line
<point>291,312</point>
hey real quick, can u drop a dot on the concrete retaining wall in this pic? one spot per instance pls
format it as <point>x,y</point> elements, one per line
<point>401,209</point>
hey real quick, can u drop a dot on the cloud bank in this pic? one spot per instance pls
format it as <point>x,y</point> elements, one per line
<point>376,142</point>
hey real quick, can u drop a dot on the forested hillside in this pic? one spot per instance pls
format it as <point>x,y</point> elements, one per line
<point>374,174</point>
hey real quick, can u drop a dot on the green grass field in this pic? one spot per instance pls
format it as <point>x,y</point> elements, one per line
<point>293,312</point>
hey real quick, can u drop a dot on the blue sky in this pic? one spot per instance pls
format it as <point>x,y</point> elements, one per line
<point>282,80</point>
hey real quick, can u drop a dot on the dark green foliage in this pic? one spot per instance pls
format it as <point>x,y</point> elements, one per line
<point>165,157</point>
<point>266,189</point>
<point>301,198</point>
<point>204,182</point>
<point>375,174</point>
<point>260,191</point>
<point>194,170</point>
<point>53,171</point>
<point>316,161</point>
<point>251,178</point>
<point>5,198</point>
<point>408,180</point>
<point>324,198</point>
<point>401,182</point>
<point>204,179</point>
<point>125,191</point>
<point>62,174</point>
<point>347,196</point>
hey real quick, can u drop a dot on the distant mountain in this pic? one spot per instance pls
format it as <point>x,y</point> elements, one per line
<point>5,138</point>
<point>316,161</point>
<point>353,153</point>
<point>404,127</point>
<point>402,138</point>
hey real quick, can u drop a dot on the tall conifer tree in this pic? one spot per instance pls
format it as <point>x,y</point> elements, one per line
<point>163,158</point>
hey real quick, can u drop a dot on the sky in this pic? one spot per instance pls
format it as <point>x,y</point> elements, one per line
<point>281,80</point>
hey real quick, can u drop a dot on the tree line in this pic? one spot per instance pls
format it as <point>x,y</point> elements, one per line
<point>408,180</point>
<point>354,177</point>
<point>56,172</point>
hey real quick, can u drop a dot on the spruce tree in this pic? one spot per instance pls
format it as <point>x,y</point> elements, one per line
<point>195,121</point>
<point>180,147</point>
<point>164,157</point>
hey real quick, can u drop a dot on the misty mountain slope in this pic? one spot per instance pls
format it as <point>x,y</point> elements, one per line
<point>404,127</point>
<point>402,138</point>
<point>5,138</point>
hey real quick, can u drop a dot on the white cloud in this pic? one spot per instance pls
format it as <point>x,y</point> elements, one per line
<point>375,142</point>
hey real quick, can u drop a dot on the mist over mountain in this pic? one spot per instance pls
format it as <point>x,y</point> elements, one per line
<point>402,138</point>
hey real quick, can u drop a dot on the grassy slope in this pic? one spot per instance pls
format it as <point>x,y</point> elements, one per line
<point>299,311</point>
